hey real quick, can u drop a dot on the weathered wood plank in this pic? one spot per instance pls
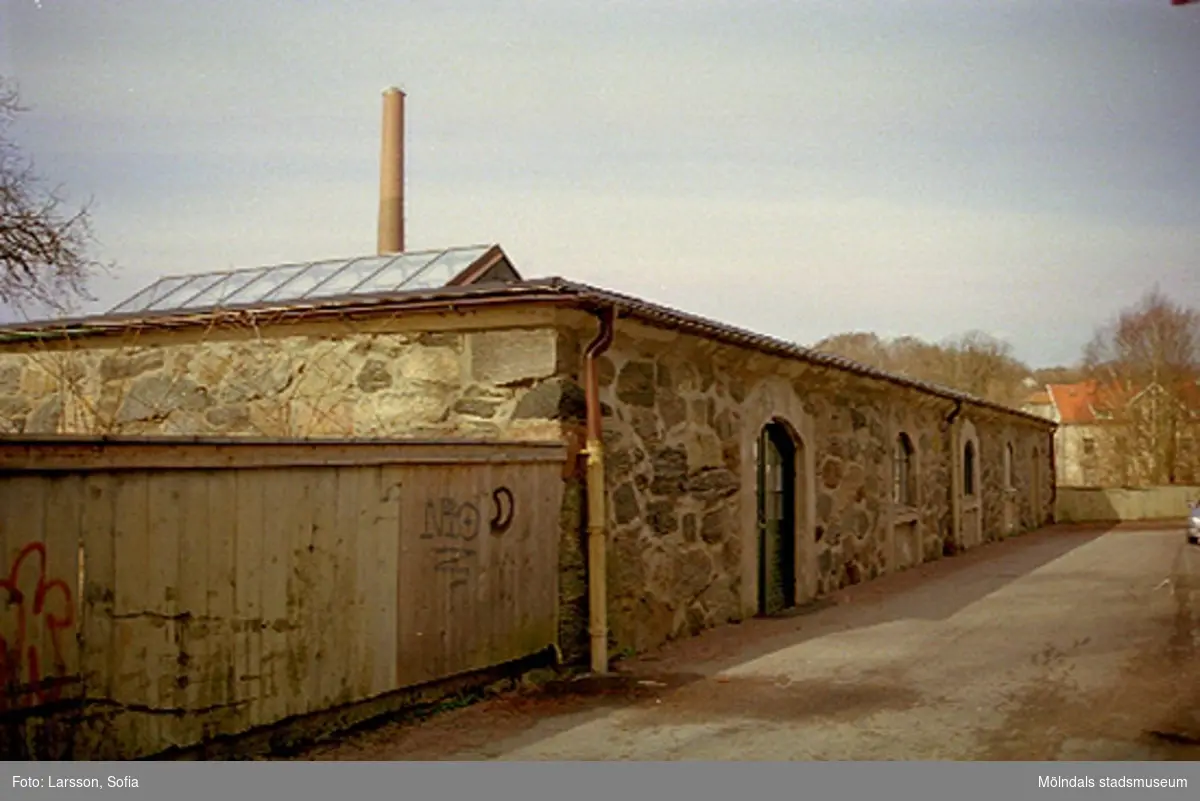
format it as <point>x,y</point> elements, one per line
<point>157,620</point>
<point>131,678</point>
<point>12,537</point>
<point>50,454</point>
<point>97,532</point>
<point>418,633</point>
<point>248,593</point>
<point>326,611</point>
<point>376,516</point>
<point>60,614</point>
<point>298,542</point>
<point>348,621</point>
<point>22,566</point>
<point>385,578</point>
<point>192,578</point>
<point>221,672</point>
<point>278,628</point>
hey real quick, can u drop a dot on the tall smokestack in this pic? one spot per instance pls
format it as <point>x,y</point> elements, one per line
<point>391,174</point>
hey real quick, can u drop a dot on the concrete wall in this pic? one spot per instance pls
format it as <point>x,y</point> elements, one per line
<point>1085,505</point>
<point>682,416</point>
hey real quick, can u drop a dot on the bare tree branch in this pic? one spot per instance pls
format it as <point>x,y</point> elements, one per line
<point>44,249</point>
<point>1146,369</point>
<point>975,362</point>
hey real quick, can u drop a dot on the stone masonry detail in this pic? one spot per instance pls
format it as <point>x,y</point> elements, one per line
<point>675,413</point>
<point>486,384</point>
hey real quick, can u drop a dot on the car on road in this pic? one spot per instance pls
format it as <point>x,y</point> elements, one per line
<point>1193,529</point>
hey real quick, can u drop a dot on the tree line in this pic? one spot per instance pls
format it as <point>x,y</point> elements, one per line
<point>1141,372</point>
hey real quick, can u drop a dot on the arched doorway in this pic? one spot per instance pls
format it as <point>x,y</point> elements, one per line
<point>1035,488</point>
<point>1012,509</point>
<point>970,494</point>
<point>776,519</point>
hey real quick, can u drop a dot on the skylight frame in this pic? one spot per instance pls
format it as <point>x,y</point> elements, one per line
<point>285,284</point>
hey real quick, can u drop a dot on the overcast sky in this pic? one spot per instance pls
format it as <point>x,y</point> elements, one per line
<point>921,167</point>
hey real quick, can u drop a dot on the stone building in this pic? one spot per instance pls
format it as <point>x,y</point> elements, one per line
<point>742,474</point>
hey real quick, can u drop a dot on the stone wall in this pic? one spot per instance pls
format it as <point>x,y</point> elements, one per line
<point>682,415</point>
<point>994,437</point>
<point>482,384</point>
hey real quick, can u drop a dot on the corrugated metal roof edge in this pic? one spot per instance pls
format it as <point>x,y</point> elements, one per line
<point>555,290</point>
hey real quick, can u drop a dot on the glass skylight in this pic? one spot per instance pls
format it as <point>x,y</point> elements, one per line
<point>443,269</point>
<point>346,279</point>
<point>286,283</point>
<point>153,293</point>
<point>395,275</point>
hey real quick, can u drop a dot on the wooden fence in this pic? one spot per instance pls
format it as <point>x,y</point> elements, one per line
<point>177,591</point>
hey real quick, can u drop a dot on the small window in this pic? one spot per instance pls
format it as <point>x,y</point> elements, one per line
<point>1089,446</point>
<point>969,469</point>
<point>903,492</point>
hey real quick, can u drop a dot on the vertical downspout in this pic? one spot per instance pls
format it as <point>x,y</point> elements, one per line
<point>597,514</point>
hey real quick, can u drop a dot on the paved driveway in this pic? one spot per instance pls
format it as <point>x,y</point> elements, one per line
<point>1063,644</point>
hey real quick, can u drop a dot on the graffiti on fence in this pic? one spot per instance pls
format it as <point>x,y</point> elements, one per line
<point>506,506</point>
<point>447,518</point>
<point>454,562</point>
<point>32,603</point>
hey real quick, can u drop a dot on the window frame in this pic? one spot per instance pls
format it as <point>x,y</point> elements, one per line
<point>969,478</point>
<point>904,490</point>
<point>1010,454</point>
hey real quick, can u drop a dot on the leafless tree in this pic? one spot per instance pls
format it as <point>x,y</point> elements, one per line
<point>976,363</point>
<point>1062,374</point>
<point>1146,365</point>
<point>860,346</point>
<point>44,248</point>
<point>984,366</point>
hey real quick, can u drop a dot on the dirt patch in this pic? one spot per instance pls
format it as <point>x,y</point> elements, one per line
<point>616,688</point>
<point>775,698</point>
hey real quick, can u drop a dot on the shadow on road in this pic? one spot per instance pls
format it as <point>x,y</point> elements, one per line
<point>684,681</point>
<point>933,591</point>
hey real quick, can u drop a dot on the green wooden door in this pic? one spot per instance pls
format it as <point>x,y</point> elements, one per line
<point>776,526</point>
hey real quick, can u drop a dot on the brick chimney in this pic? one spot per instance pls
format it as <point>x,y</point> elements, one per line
<point>391,174</point>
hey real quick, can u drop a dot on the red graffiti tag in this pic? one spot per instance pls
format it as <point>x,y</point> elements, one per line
<point>20,662</point>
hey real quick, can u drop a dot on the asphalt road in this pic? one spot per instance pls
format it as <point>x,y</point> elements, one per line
<point>1063,644</point>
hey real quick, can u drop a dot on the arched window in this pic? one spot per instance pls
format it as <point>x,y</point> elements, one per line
<point>1008,466</point>
<point>903,487</point>
<point>969,468</point>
